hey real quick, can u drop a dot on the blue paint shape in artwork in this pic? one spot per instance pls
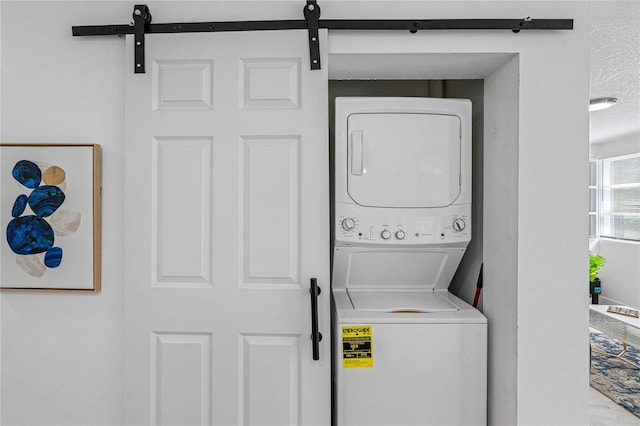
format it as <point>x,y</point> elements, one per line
<point>27,173</point>
<point>45,200</point>
<point>32,234</point>
<point>29,235</point>
<point>53,257</point>
<point>19,205</point>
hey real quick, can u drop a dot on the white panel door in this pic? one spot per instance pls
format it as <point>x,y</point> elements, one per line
<point>227,220</point>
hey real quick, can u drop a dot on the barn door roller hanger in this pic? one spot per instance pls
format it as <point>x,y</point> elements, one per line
<point>142,25</point>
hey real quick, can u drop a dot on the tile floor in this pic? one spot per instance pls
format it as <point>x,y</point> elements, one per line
<point>605,412</point>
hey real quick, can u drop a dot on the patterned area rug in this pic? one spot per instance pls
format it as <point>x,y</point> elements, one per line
<point>616,379</point>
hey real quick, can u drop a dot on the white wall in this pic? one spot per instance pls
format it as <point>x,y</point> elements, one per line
<point>552,246</point>
<point>501,253</point>
<point>621,275</point>
<point>61,354</point>
<point>614,147</point>
<point>466,278</point>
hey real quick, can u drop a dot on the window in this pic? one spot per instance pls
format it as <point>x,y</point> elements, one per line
<point>619,192</point>
<point>594,166</point>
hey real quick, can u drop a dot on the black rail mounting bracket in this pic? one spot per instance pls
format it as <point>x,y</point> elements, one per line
<point>312,16</point>
<point>141,21</point>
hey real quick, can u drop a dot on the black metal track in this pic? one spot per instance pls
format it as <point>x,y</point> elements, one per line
<point>142,25</point>
<point>333,24</point>
<point>191,27</point>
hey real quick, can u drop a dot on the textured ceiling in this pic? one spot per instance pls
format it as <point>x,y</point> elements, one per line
<point>615,68</point>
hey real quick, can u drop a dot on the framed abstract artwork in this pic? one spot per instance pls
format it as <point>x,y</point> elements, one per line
<point>50,215</point>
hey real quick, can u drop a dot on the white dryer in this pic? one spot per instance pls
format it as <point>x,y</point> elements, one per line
<point>407,352</point>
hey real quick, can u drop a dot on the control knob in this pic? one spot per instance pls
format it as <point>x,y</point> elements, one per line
<point>348,224</point>
<point>385,234</point>
<point>459,225</point>
<point>400,234</point>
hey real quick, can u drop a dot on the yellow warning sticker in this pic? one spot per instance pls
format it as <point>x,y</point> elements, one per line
<point>357,346</point>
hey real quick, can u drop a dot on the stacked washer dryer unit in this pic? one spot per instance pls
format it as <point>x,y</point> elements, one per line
<point>407,351</point>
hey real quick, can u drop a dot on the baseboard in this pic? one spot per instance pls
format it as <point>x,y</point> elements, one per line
<point>607,301</point>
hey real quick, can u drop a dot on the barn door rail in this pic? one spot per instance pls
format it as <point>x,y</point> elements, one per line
<point>142,25</point>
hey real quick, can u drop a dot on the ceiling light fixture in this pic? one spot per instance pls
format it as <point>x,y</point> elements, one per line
<point>598,104</point>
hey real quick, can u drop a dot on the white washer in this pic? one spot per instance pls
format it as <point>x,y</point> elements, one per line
<point>407,352</point>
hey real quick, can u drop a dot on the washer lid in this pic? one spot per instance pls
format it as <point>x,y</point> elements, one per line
<point>401,302</point>
<point>407,160</point>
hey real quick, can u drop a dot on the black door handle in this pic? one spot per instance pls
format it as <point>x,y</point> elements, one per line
<point>316,337</point>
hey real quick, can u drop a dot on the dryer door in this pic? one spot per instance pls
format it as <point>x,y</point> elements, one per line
<point>403,160</point>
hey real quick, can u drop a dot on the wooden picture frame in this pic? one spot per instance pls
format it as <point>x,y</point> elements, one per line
<point>50,213</point>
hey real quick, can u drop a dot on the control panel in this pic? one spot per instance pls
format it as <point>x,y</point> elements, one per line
<point>357,228</point>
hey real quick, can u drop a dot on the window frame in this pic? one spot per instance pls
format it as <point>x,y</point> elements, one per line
<point>594,197</point>
<point>599,212</point>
